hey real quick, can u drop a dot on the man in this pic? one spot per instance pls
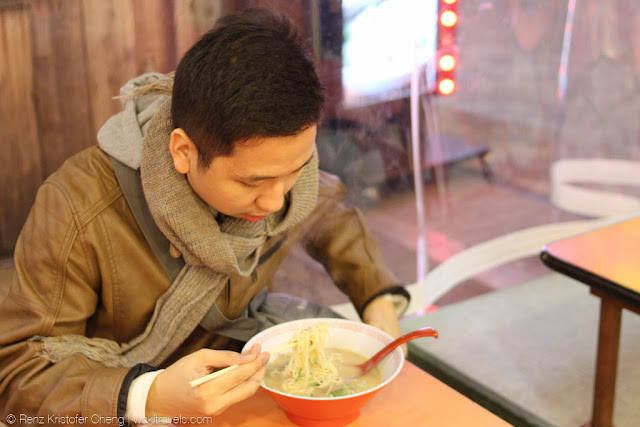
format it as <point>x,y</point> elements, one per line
<point>141,257</point>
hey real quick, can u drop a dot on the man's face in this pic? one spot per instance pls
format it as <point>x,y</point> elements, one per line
<point>252,182</point>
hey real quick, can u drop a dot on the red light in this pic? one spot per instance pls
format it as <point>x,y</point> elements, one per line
<point>448,18</point>
<point>446,86</point>
<point>447,62</point>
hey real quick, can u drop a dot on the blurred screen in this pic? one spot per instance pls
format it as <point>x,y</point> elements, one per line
<point>383,41</point>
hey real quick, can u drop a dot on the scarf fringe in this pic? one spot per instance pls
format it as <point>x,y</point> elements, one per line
<point>156,85</point>
<point>101,350</point>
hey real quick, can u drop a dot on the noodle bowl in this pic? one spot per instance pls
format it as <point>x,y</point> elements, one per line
<point>351,336</point>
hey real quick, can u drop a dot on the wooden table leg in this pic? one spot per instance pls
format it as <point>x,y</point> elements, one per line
<point>607,363</point>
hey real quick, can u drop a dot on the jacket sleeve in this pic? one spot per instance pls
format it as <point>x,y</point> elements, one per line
<point>54,290</point>
<point>338,237</point>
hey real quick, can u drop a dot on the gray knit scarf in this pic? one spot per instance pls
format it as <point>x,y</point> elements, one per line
<point>212,251</point>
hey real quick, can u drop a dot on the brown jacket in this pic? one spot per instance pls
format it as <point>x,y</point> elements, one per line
<point>83,267</point>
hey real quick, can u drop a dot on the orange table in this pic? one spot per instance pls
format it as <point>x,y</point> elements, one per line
<point>413,398</point>
<point>608,260</point>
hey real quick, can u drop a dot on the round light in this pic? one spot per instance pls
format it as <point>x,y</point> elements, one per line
<point>447,62</point>
<point>449,1</point>
<point>448,18</point>
<point>446,86</point>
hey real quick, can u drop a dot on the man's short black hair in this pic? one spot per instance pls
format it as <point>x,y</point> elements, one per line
<point>250,75</point>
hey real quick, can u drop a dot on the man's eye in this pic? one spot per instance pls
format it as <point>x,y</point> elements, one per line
<point>250,184</point>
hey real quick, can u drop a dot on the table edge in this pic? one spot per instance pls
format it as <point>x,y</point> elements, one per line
<point>590,279</point>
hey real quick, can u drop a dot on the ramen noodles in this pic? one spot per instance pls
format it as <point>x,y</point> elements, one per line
<point>312,370</point>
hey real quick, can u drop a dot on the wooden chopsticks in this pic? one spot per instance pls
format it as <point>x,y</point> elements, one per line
<point>216,374</point>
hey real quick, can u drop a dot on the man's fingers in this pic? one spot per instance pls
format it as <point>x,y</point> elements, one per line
<point>216,358</point>
<point>255,349</point>
<point>223,358</point>
<point>240,392</point>
<point>233,378</point>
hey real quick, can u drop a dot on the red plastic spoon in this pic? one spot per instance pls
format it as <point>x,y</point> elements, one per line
<point>367,366</point>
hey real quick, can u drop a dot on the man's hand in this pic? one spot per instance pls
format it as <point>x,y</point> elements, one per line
<point>381,313</point>
<point>172,396</point>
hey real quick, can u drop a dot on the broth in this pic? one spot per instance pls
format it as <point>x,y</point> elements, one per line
<point>276,376</point>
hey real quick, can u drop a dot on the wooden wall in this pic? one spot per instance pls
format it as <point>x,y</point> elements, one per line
<point>61,63</point>
<point>21,170</point>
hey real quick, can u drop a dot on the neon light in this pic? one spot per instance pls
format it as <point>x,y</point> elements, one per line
<point>447,63</point>
<point>448,18</point>
<point>446,86</point>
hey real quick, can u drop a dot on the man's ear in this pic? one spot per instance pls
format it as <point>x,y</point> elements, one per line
<point>183,151</point>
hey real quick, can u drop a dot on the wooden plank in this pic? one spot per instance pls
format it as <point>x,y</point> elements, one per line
<point>46,91</point>
<point>20,153</point>
<point>109,32</point>
<point>154,41</point>
<point>187,23</point>
<point>185,30</point>
<point>193,19</point>
<point>13,5</point>
<point>60,81</point>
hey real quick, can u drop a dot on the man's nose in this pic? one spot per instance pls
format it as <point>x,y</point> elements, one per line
<point>272,199</point>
